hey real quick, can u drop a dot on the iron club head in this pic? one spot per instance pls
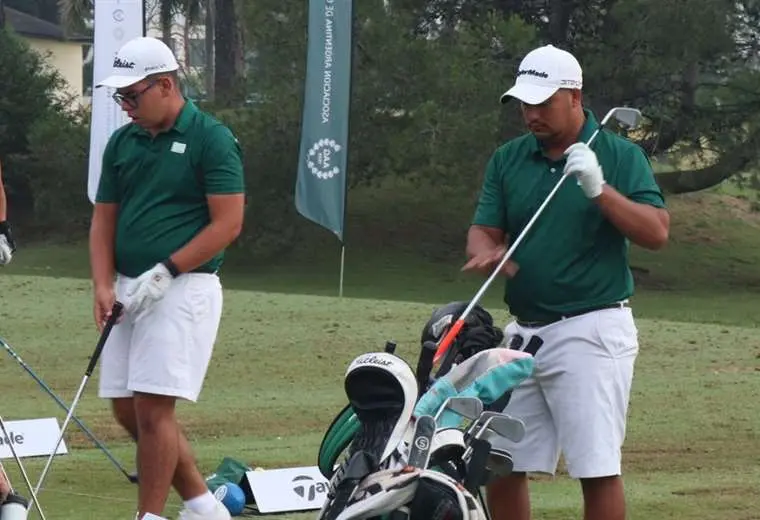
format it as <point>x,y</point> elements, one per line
<point>626,116</point>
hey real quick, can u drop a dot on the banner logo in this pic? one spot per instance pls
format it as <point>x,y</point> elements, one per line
<point>320,160</point>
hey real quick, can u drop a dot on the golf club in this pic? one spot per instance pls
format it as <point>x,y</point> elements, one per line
<point>500,423</point>
<point>115,313</point>
<point>425,366</point>
<point>21,468</point>
<point>131,477</point>
<point>626,116</point>
<point>468,407</point>
<point>496,423</point>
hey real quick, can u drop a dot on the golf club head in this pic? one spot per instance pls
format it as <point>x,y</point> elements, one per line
<point>496,423</point>
<point>499,464</point>
<point>626,116</point>
<point>468,407</point>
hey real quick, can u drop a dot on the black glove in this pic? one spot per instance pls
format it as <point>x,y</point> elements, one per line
<point>474,340</point>
<point>5,229</point>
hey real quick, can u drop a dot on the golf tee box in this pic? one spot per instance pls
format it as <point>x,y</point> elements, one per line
<point>287,489</point>
<point>31,438</point>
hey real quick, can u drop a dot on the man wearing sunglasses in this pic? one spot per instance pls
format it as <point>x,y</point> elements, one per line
<point>170,200</point>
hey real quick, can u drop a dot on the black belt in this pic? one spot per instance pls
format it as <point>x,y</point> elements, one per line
<point>205,270</point>
<point>560,317</point>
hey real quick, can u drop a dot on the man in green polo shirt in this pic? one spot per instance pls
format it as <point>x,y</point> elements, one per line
<point>169,201</point>
<point>568,281</point>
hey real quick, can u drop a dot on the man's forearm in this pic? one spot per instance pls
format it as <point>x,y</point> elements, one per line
<point>208,243</point>
<point>101,253</point>
<point>642,224</point>
<point>480,241</point>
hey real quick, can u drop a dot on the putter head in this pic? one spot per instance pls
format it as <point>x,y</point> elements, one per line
<point>626,116</point>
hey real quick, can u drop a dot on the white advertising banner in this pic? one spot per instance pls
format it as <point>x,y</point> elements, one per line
<point>31,438</point>
<point>116,22</point>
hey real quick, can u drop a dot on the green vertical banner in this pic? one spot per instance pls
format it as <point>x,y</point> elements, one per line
<point>322,160</point>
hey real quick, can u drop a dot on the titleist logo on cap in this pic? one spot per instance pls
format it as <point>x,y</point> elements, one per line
<point>120,63</point>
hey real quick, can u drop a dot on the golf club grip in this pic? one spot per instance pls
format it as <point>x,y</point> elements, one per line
<point>116,311</point>
<point>425,365</point>
<point>448,339</point>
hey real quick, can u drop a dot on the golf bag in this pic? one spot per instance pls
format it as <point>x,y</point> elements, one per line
<point>392,465</point>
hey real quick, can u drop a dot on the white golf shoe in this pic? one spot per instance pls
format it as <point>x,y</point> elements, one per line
<point>220,513</point>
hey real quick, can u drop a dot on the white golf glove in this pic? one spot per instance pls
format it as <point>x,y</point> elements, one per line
<point>582,162</point>
<point>6,253</point>
<point>148,289</point>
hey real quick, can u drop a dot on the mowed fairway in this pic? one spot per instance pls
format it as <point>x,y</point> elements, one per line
<point>275,383</point>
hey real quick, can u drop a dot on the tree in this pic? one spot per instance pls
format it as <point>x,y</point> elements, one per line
<point>691,69</point>
<point>229,69</point>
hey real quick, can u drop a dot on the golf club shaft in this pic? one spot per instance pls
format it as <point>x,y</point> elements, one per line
<point>115,313</point>
<point>23,472</point>
<point>60,437</point>
<point>448,339</point>
<point>60,403</point>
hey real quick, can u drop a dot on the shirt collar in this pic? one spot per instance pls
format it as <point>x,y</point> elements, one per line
<point>185,117</point>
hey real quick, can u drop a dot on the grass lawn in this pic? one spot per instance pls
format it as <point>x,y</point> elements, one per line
<point>276,382</point>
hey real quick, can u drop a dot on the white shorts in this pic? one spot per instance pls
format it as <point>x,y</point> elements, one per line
<point>576,402</point>
<point>167,350</point>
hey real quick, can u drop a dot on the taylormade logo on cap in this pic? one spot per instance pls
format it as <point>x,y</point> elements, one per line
<point>137,59</point>
<point>542,72</point>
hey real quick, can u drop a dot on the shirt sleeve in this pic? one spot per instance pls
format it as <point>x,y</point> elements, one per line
<point>222,163</point>
<point>491,210</point>
<point>108,184</point>
<point>636,179</point>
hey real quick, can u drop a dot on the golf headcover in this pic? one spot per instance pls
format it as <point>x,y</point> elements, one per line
<point>382,390</point>
<point>487,375</point>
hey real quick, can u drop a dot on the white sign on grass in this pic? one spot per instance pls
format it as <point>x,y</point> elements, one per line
<point>31,438</point>
<point>288,489</point>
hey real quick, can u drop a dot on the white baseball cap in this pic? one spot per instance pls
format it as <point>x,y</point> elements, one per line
<point>137,59</point>
<point>542,72</point>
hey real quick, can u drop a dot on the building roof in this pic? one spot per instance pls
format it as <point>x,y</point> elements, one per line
<point>31,26</point>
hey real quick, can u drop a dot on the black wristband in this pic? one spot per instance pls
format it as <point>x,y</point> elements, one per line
<point>172,267</point>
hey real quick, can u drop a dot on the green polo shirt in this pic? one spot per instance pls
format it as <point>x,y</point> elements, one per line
<point>572,258</point>
<point>160,184</point>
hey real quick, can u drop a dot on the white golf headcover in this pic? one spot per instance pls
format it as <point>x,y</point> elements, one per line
<point>5,251</point>
<point>401,374</point>
<point>386,491</point>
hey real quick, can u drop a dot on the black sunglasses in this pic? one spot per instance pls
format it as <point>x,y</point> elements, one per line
<point>132,98</point>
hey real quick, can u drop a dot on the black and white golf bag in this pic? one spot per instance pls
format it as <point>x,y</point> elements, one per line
<point>415,457</point>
